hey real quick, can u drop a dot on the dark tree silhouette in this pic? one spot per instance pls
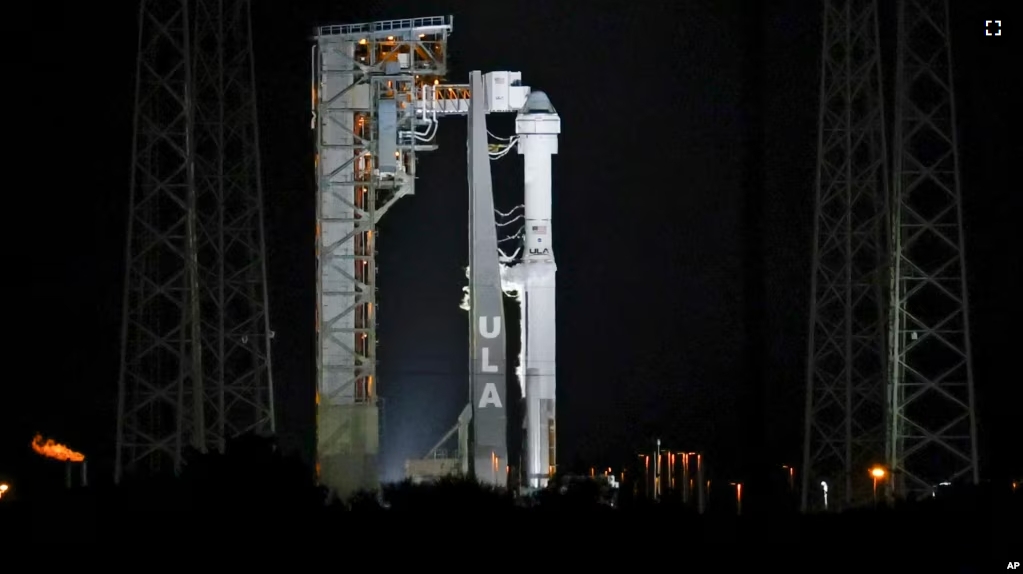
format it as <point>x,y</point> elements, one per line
<point>251,474</point>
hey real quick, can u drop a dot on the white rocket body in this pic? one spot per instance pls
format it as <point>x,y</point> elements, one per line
<point>538,126</point>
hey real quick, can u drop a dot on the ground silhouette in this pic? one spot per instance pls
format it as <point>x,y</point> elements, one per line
<point>254,488</point>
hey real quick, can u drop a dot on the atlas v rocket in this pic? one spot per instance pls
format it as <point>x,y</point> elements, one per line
<point>537,128</point>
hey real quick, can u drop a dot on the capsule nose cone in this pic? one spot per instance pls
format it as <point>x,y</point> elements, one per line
<point>538,103</point>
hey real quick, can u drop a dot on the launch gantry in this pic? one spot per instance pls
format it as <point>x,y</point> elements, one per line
<point>377,98</point>
<point>367,79</point>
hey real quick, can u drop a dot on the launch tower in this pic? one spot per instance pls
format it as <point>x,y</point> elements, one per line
<point>932,437</point>
<point>195,348</point>
<point>846,367</point>
<point>366,82</point>
<point>889,377</point>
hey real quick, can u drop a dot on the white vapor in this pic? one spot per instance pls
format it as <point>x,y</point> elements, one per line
<point>513,281</point>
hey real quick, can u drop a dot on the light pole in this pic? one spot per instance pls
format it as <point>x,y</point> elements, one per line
<point>646,473</point>
<point>3,489</point>
<point>738,497</point>
<point>824,487</point>
<point>792,476</point>
<point>701,486</point>
<point>657,472</point>
<point>685,478</point>
<point>671,464</point>
<point>877,473</point>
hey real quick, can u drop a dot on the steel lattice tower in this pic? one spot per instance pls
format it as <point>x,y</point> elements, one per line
<point>369,81</point>
<point>932,432</point>
<point>195,362</point>
<point>847,351</point>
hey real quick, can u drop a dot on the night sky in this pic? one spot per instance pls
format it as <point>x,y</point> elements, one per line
<point>683,216</point>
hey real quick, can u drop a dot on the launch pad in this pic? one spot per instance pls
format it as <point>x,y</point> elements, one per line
<point>377,98</point>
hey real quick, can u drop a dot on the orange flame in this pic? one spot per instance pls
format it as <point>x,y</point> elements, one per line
<point>50,448</point>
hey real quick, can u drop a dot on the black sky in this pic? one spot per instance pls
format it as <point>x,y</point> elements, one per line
<point>683,217</point>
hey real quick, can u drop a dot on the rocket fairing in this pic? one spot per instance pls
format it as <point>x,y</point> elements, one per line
<point>537,126</point>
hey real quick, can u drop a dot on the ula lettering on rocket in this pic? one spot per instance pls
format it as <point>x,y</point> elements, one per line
<point>490,396</point>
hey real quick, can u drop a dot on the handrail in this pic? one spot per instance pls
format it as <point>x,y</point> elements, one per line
<point>388,26</point>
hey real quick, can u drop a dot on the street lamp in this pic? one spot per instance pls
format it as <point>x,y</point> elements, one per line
<point>3,489</point>
<point>877,473</point>
<point>646,473</point>
<point>792,476</point>
<point>738,496</point>
<point>824,485</point>
<point>657,473</point>
<point>671,464</point>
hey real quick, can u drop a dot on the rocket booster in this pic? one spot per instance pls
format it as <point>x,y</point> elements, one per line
<point>538,126</point>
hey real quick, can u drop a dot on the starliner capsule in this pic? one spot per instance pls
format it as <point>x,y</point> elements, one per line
<point>537,126</point>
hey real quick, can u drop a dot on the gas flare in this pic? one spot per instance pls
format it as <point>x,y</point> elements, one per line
<point>52,449</point>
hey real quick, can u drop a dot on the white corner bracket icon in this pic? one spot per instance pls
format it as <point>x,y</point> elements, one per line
<point>992,27</point>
